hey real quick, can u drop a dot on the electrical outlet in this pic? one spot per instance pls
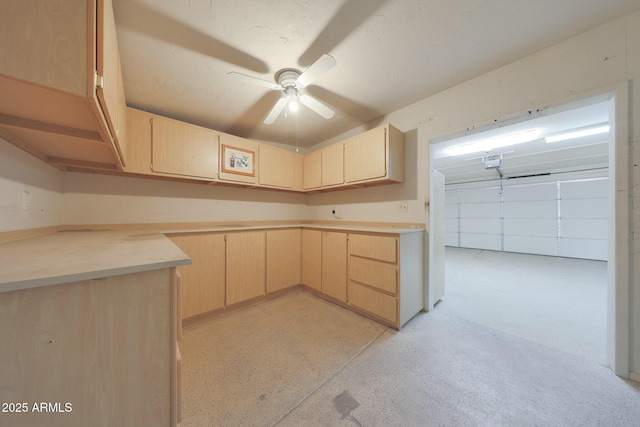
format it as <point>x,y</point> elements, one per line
<point>404,206</point>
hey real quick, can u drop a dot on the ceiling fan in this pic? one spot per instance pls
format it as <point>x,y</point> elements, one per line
<point>290,81</point>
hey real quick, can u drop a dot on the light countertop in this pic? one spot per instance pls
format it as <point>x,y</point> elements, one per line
<point>71,256</point>
<point>335,227</point>
<point>74,256</point>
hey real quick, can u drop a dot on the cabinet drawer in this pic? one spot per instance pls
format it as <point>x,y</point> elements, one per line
<point>373,273</point>
<point>373,301</point>
<point>384,248</point>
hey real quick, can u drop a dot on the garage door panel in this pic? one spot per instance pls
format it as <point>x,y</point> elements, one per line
<point>531,245</point>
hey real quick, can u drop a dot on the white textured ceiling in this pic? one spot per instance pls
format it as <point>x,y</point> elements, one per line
<point>176,54</point>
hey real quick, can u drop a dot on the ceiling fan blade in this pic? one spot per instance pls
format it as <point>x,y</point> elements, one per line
<point>255,80</point>
<point>316,106</point>
<point>151,23</point>
<point>347,19</point>
<point>351,108</point>
<point>276,110</point>
<point>318,68</point>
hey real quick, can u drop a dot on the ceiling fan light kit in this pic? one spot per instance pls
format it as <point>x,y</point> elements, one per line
<point>290,81</point>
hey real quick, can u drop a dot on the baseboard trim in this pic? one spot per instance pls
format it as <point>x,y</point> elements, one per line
<point>634,377</point>
<point>204,317</point>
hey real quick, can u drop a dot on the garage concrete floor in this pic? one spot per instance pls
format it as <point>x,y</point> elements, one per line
<point>301,361</point>
<point>557,302</point>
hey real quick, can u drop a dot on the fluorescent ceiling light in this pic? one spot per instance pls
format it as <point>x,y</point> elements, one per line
<point>492,143</point>
<point>578,134</point>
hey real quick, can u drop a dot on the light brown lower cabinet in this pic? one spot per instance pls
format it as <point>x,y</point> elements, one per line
<point>386,276</point>
<point>334,265</point>
<point>92,353</point>
<point>204,280</point>
<point>312,259</point>
<point>283,259</point>
<point>178,399</point>
<point>379,275</point>
<point>245,265</point>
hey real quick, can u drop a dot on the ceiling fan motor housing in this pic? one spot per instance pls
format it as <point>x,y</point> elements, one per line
<point>288,77</point>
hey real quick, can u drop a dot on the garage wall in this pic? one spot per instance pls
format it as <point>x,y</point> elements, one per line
<point>559,218</point>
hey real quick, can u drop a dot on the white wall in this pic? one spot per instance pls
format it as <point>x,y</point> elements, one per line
<point>98,199</point>
<point>30,191</point>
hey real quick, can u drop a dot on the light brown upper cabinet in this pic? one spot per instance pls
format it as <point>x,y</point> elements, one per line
<point>312,170</point>
<point>238,159</point>
<point>61,84</point>
<point>376,155</point>
<point>122,130</point>
<point>138,141</point>
<point>333,165</point>
<point>179,148</point>
<point>109,76</point>
<point>279,168</point>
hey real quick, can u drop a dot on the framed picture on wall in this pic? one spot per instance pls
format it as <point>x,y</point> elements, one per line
<point>237,160</point>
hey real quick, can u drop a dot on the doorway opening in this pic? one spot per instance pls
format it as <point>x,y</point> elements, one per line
<point>547,195</point>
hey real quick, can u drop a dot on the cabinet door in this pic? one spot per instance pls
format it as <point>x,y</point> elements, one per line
<point>103,345</point>
<point>46,43</point>
<point>365,156</point>
<point>245,266</point>
<point>312,170</point>
<point>122,132</point>
<point>182,149</point>
<point>334,265</point>
<point>333,165</point>
<point>276,167</point>
<point>283,259</point>
<point>203,282</point>
<point>107,64</point>
<point>139,137</point>
<point>312,259</point>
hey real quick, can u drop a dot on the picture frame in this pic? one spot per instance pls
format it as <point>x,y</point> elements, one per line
<point>238,160</point>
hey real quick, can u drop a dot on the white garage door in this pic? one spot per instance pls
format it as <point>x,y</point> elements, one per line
<point>561,218</point>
